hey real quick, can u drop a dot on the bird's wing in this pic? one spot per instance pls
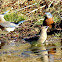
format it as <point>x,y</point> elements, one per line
<point>21,22</point>
<point>8,24</point>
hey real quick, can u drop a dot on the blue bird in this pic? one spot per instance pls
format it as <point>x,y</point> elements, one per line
<point>48,21</point>
<point>7,25</point>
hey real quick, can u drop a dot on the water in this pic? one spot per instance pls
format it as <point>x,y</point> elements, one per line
<point>17,52</point>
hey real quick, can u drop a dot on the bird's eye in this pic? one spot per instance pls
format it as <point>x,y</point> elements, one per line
<point>47,26</point>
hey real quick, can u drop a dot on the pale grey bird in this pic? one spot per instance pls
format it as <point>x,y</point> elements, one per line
<point>7,25</point>
<point>42,38</point>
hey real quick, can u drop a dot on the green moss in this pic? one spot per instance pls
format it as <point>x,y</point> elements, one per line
<point>14,17</point>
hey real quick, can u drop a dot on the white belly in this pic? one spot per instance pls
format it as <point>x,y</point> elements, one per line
<point>10,29</point>
<point>42,38</point>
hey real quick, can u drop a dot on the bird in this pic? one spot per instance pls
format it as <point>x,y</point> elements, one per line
<point>8,26</point>
<point>38,46</point>
<point>48,21</point>
<point>43,34</point>
<point>41,39</point>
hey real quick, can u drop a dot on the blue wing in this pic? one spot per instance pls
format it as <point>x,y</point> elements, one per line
<point>21,22</point>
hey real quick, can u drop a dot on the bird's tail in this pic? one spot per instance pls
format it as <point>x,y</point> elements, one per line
<point>20,23</point>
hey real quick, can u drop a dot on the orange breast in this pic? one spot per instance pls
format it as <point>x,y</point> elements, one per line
<point>49,21</point>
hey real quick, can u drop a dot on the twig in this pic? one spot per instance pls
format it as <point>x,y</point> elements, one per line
<point>50,4</point>
<point>36,9</point>
<point>26,7</point>
<point>40,19</point>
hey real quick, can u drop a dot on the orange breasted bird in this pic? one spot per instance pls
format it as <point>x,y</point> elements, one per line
<point>48,21</point>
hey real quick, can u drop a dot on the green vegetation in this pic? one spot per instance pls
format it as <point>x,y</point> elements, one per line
<point>35,44</point>
<point>14,17</point>
<point>57,34</point>
<point>56,18</point>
